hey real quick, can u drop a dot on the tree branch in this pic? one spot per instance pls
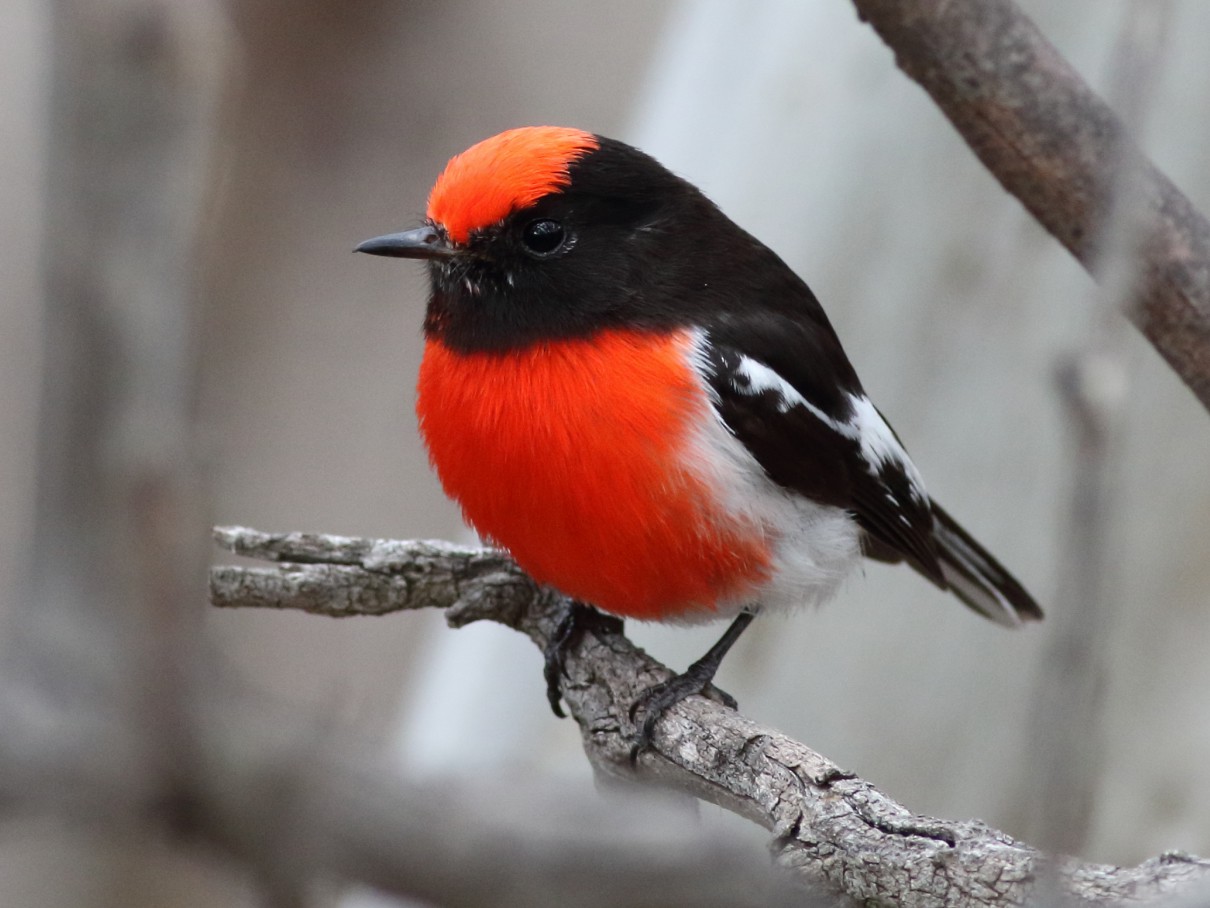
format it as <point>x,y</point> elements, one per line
<point>1052,143</point>
<point>830,827</point>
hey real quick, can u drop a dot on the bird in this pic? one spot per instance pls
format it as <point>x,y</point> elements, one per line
<point>649,410</point>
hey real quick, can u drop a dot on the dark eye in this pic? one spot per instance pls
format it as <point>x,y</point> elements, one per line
<point>543,236</point>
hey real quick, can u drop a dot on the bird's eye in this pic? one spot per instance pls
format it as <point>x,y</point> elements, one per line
<point>543,236</point>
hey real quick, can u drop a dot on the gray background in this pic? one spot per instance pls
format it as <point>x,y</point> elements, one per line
<point>953,305</point>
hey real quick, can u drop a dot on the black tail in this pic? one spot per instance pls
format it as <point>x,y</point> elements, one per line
<point>977,578</point>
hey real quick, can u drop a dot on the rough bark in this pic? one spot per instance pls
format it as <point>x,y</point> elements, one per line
<point>829,827</point>
<point>1055,145</point>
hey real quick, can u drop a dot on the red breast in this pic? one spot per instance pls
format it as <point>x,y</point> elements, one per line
<point>578,456</point>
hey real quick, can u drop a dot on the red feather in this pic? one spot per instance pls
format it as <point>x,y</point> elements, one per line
<point>573,456</point>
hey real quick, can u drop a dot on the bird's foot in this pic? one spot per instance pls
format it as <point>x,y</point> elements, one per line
<point>577,619</point>
<point>659,698</point>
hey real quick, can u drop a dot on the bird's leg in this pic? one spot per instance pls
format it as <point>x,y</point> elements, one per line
<point>576,619</point>
<point>657,699</point>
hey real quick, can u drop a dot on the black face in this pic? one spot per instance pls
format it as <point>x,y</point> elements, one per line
<point>571,264</point>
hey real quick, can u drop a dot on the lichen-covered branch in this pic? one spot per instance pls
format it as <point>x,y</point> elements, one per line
<point>829,826</point>
<point>1052,143</point>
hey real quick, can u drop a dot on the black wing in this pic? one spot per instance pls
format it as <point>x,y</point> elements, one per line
<point>821,437</point>
<point>811,427</point>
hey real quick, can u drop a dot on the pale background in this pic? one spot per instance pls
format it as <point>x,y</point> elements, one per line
<point>952,304</point>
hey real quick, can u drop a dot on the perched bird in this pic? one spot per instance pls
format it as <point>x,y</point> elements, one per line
<point>648,409</point>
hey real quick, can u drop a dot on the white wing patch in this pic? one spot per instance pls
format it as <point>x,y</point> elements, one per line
<point>762,379</point>
<point>879,446</point>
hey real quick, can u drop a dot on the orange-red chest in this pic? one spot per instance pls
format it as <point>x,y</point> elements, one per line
<point>576,457</point>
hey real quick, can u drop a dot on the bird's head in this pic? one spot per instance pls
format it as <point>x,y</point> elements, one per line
<point>544,232</point>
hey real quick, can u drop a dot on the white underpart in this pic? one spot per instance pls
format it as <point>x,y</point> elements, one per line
<point>879,446</point>
<point>815,547</point>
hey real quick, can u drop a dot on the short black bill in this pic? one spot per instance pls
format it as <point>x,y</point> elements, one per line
<point>422,243</point>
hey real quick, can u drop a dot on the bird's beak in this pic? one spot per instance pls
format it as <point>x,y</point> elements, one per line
<point>422,243</point>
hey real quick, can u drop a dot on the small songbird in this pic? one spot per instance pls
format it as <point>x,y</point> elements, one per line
<point>648,409</point>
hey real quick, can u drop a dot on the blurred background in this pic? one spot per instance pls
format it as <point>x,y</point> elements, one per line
<point>954,306</point>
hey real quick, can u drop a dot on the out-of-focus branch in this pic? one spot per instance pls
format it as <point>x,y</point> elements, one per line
<point>282,796</point>
<point>116,555</point>
<point>1064,767</point>
<point>1052,143</point>
<point>830,827</point>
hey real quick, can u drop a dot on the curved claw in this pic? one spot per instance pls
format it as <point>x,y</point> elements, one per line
<point>554,688</point>
<point>659,698</point>
<point>577,619</point>
<point>695,680</point>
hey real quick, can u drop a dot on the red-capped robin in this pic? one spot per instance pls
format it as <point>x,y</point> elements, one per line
<point>648,409</point>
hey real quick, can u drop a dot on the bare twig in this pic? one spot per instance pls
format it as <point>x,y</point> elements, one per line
<point>1054,144</point>
<point>829,826</point>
